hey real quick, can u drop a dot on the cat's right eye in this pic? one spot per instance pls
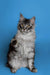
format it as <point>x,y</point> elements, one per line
<point>28,26</point>
<point>22,25</point>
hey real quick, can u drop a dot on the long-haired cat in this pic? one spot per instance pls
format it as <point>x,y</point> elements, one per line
<point>22,47</point>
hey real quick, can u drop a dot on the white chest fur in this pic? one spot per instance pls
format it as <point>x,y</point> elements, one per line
<point>26,42</point>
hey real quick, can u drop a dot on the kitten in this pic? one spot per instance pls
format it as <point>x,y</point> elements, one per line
<point>22,47</point>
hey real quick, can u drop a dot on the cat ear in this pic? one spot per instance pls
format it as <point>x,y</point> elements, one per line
<point>21,17</point>
<point>32,20</point>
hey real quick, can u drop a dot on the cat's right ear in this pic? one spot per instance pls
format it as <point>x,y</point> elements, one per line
<point>21,17</point>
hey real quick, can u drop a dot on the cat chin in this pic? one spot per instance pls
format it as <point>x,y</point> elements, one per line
<point>23,32</point>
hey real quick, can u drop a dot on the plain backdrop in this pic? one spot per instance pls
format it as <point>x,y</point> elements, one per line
<point>9,16</point>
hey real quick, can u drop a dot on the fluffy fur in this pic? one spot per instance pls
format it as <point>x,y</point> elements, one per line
<point>22,50</point>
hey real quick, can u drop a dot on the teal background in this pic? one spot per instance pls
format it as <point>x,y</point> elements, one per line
<point>9,15</point>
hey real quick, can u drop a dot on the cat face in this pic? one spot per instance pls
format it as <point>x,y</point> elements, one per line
<point>26,25</point>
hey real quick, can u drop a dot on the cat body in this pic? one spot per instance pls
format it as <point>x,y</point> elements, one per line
<point>22,51</point>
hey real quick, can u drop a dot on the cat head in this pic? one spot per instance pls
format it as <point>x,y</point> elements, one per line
<point>26,25</point>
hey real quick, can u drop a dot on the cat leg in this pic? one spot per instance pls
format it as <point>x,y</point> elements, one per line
<point>13,70</point>
<point>31,65</point>
<point>15,64</point>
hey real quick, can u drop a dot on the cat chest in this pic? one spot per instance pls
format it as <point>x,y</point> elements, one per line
<point>25,47</point>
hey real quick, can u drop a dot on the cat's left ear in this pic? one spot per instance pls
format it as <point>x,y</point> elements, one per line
<point>32,20</point>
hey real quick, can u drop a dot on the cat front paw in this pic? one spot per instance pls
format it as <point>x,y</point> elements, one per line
<point>13,70</point>
<point>33,70</point>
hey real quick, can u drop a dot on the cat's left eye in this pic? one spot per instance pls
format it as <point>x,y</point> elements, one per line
<point>28,26</point>
<point>22,25</point>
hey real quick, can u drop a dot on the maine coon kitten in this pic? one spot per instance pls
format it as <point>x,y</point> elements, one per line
<point>22,47</point>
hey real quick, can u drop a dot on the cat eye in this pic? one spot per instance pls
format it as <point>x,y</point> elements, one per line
<point>21,25</point>
<point>28,26</point>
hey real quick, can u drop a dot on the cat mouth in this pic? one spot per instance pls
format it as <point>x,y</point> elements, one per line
<point>24,32</point>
